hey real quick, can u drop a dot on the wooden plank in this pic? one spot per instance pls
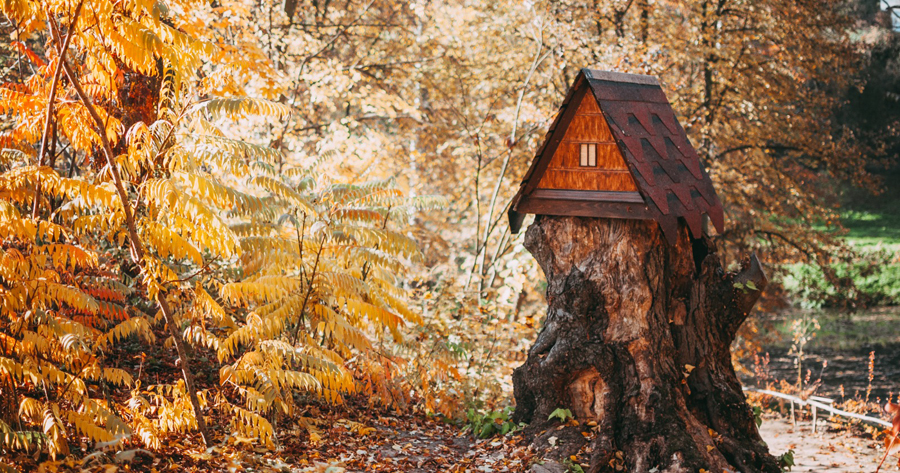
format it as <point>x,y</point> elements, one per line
<point>581,179</point>
<point>515,220</point>
<point>590,196</point>
<point>582,208</point>
<point>589,106</point>
<point>589,128</point>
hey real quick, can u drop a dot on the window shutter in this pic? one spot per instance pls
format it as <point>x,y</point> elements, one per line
<point>588,155</point>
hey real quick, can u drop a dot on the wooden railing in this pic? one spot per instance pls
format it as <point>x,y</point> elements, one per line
<point>817,403</point>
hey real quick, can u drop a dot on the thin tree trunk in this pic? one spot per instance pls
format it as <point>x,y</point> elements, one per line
<point>49,122</point>
<point>644,6</point>
<point>637,339</point>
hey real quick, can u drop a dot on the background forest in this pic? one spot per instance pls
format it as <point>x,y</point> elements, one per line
<point>259,211</point>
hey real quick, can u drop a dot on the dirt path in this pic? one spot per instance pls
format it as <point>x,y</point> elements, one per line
<point>827,450</point>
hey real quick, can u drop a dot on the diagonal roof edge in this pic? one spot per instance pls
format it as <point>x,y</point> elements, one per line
<point>578,83</point>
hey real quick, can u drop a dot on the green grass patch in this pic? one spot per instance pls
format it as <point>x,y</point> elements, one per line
<point>874,220</point>
<point>842,332</point>
<point>873,229</point>
<point>875,283</point>
<point>878,229</point>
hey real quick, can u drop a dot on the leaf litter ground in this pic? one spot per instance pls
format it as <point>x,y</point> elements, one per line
<point>324,439</point>
<point>355,438</point>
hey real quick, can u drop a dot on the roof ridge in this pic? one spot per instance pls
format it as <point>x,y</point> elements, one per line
<point>614,76</point>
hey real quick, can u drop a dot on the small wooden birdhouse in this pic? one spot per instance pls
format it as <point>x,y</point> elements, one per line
<point>616,150</point>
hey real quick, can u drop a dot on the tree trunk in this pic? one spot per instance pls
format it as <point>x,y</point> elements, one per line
<point>637,340</point>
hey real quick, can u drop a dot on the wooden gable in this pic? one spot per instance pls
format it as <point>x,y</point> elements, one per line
<point>608,171</point>
<point>645,166</point>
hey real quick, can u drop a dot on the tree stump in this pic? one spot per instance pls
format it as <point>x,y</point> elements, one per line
<point>637,340</point>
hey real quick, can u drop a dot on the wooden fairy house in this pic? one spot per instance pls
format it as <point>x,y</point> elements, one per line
<point>616,150</point>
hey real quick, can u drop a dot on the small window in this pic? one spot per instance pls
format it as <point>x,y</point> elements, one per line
<point>588,155</point>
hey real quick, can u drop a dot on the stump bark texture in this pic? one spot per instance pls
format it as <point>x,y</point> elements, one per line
<point>637,340</point>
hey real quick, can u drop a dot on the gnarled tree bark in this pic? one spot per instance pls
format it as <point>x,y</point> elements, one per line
<point>637,339</point>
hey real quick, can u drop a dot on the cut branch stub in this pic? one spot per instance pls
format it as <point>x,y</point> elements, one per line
<point>637,339</point>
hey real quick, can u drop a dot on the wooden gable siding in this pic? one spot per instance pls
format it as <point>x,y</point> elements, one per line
<point>564,172</point>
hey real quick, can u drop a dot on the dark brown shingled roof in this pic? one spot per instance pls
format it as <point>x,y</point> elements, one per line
<point>664,165</point>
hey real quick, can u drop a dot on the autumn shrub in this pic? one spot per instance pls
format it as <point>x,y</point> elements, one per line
<point>159,228</point>
<point>480,340</point>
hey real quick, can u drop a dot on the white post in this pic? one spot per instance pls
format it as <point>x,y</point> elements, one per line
<point>814,417</point>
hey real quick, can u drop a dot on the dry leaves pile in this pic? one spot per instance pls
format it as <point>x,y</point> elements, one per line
<point>323,440</point>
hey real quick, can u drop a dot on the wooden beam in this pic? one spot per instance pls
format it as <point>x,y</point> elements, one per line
<point>581,208</point>
<point>588,196</point>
